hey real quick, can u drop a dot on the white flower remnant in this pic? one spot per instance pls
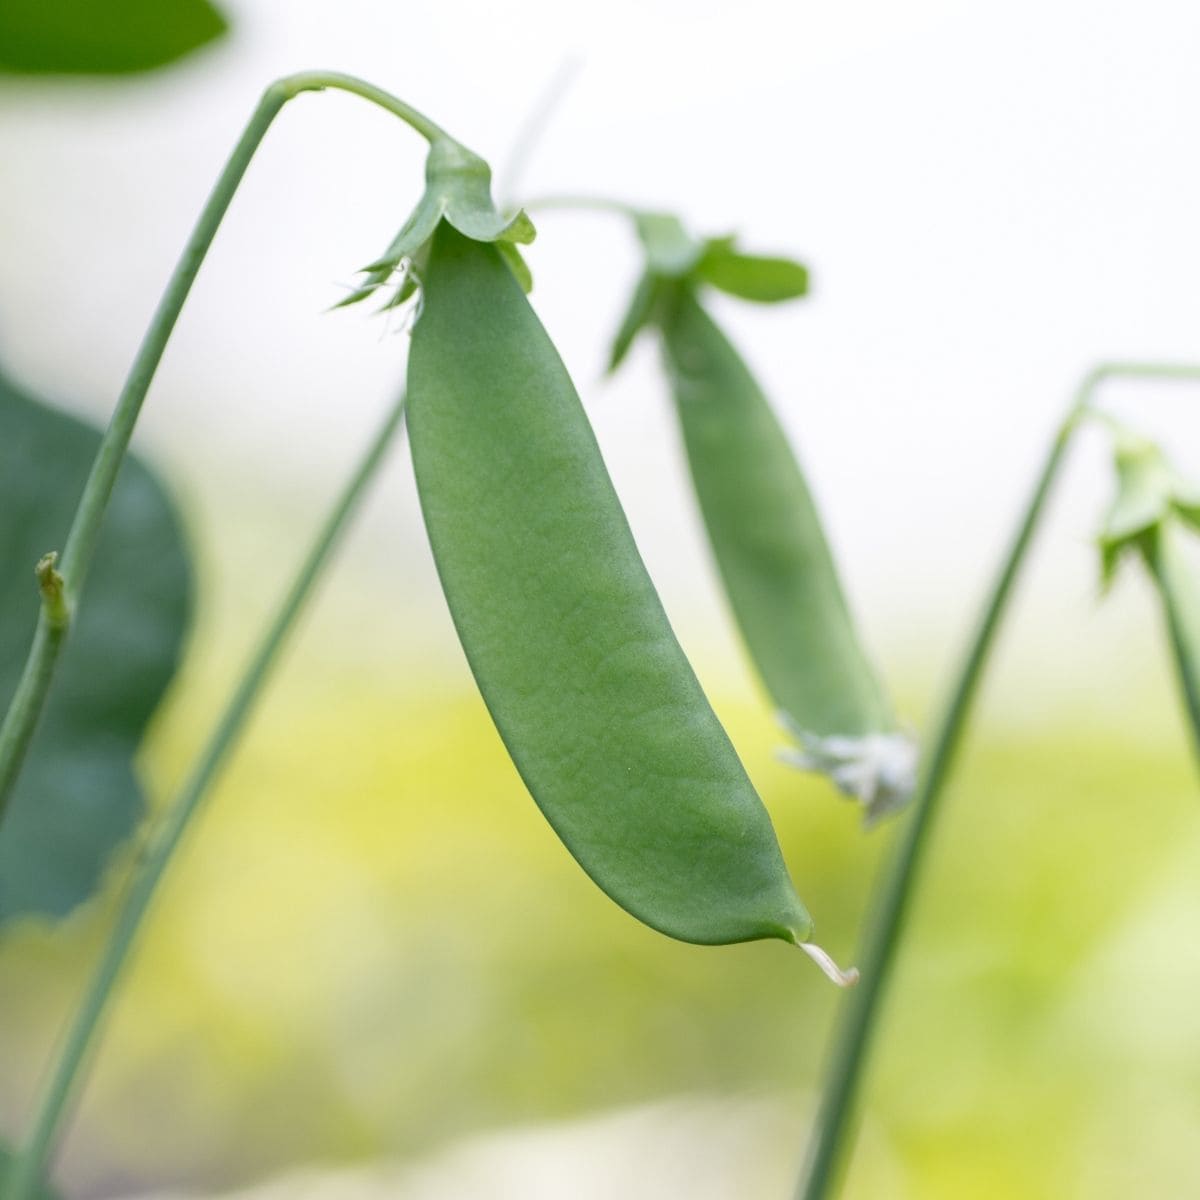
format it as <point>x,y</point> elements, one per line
<point>879,770</point>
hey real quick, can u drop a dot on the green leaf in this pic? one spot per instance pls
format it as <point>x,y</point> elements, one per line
<point>78,797</point>
<point>43,1192</point>
<point>95,37</point>
<point>749,276</point>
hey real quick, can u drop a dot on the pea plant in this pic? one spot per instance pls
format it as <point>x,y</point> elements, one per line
<point>567,640</point>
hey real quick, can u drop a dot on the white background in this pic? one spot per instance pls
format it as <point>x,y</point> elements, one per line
<point>990,197</point>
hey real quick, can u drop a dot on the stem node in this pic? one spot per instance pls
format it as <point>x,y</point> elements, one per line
<point>53,591</point>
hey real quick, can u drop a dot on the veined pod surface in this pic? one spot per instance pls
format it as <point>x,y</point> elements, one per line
<point>562,627</point>
<point>763,527</point>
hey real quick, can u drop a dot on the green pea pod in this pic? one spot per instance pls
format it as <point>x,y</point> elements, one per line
<point>776,565</point>
<point>764,529</point>
<point>562,627</point>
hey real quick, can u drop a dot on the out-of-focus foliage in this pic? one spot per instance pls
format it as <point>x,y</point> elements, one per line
<point>6,1157</point>
<point>102,37</point>
<point>78,797</point>
<point>374,944</point>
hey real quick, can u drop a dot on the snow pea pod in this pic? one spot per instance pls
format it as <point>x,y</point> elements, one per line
<point>763,527</point>
<point>562,627</point>
<point>766,533</point>
<point>776,566</point>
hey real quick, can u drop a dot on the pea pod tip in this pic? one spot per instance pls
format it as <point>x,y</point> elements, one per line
<point>843,978</point>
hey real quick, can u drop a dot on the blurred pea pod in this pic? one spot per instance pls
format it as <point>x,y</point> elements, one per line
<point>763,526</point>
<point>560,622</point>
<point>1154,515</point>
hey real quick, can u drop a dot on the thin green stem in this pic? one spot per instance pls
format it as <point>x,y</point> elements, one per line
<point>533,129</point>
<point>894,898</point>
<point>20,722</point>
<point>836,1117</point>
<point>30,1165</point>
<point>17,731</point>
<point>1175,608</point>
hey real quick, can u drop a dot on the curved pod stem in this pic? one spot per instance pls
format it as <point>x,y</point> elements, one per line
<point>28,1168</point>
<point>29,699</point>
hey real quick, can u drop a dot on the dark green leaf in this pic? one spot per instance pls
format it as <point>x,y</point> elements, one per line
<point>78,797</point>
<point>102,37</point>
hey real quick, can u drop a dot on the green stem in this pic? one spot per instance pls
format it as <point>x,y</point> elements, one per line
<point>1175,610</point>
<point>30,1166</point>
<point>860,1020</point>
<point>894,898</point>
<point>28,701</point>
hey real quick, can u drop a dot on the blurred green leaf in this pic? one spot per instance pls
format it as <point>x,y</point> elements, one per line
<point>751,276</point>
<point>78,797</point>
<point>45,1192</point>
<point>102,37</point>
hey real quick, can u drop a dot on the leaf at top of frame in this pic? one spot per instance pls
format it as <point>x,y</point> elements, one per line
<point>102,37</point>
<point>78,796</point>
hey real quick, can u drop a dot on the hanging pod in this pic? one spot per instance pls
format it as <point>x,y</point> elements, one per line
<point>763,526</point>
<point>562,627</point>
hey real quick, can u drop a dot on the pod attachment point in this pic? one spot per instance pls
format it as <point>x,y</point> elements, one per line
<point>879,770</point>
<point>844,979</point>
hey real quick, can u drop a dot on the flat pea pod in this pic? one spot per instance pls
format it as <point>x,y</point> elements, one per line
<point>775,563</point>
<point>766,533</point>
<point>562,627</point>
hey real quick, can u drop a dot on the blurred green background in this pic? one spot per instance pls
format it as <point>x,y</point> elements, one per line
<point>373,951</point>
